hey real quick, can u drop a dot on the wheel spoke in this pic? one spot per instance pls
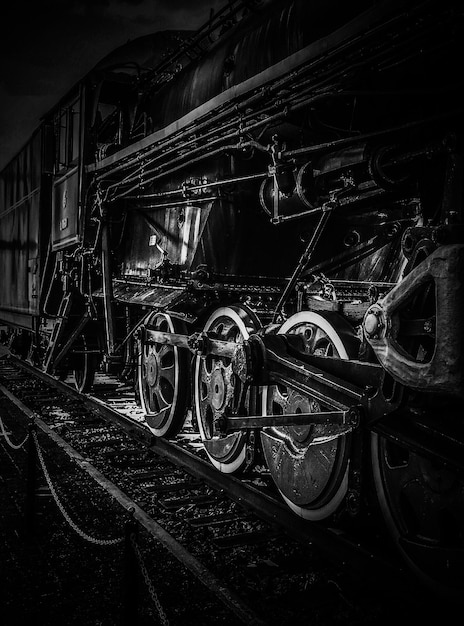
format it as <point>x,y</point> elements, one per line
<point>421,501</point>
<point>205,376</point>
<point>166,390</point>
<point>154,400</point>
<point>164,351</point>
<point>169,372</point>
<point>278,397</point>
<point>163,379</point>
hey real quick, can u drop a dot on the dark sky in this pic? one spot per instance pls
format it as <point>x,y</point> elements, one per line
<point>48,45</point>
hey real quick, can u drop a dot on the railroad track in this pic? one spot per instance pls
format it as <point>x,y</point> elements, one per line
<point>207,520</point>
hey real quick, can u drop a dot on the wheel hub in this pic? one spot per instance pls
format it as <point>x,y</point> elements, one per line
<point>152,369</point>
<point>297,403</point>
<point>217,391</point>
<point>220,390</point>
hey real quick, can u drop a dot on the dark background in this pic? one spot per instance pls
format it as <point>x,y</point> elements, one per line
<point>46,46</point>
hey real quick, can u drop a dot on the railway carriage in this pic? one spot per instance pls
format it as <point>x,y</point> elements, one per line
<point>260,224</point>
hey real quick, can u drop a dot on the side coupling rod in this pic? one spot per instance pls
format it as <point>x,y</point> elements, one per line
<point>261,361</point>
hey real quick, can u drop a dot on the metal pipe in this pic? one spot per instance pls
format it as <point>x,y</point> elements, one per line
<point>107,287</point>
<point>195,128</point>
<point>339,143</point>
<point>186,156</point>
<point>304,260</point>
<point>184,190</point>
<point>166,205</point>
<point>263,94</point>
<point>131,332</point>
<point>244,129</point>
<point>207,155</point>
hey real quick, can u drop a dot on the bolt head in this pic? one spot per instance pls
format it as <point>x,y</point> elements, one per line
<point>371,324</point>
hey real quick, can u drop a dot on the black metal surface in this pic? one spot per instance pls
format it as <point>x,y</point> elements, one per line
<point>426,436</point>
<point>336,112</point>
<point>289,419</point>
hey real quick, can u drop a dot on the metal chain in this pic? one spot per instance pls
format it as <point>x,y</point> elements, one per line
<point>151,589</point>
<point>8,440</point>
<point>84,535</point>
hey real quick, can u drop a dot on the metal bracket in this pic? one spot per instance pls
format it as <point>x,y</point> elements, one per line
<point>444,372</point>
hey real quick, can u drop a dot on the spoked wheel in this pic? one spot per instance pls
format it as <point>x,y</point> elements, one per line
<point>163,379</point>
<point>421,499</point>
<point>85,365</point>
<point>309,464</point>
<point>219,391</point>
<point>422,502</point>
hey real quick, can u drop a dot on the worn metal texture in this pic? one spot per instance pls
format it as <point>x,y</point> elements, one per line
<point>229,233</point>
<point>442,370</point>
<point>157,296</point>
<point>20,189</point>
<point>279,30</point>
<point>65,209</point>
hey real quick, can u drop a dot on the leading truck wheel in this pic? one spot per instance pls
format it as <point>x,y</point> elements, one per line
<point>219,391</point>
<point>309,464</point>
<point>422,502</point>
<point>163,379</point>
<point>85,366</point>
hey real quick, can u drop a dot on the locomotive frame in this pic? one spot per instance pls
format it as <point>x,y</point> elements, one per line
<point>260,250</point>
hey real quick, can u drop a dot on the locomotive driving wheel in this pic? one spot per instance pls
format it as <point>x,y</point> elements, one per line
<point>422,502</point>
<point>420,497</point>
<point>219,390</point>
<point>309,464</point>
<point>163,379</point>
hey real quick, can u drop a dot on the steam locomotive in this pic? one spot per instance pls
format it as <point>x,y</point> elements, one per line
<point>260,223</point>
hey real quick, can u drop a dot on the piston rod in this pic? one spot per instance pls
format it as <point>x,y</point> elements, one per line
<point>348,418</point>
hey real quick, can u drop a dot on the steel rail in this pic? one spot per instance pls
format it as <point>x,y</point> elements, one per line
<point>228,597</point>
<point>133,428</point>
<point>337,546</point>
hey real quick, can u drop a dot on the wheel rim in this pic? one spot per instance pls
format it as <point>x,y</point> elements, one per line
<point>422,504</point>
<point>84,370</point>
<point>309,464</point>
<point>217,389</point>
<point>163,379</point>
